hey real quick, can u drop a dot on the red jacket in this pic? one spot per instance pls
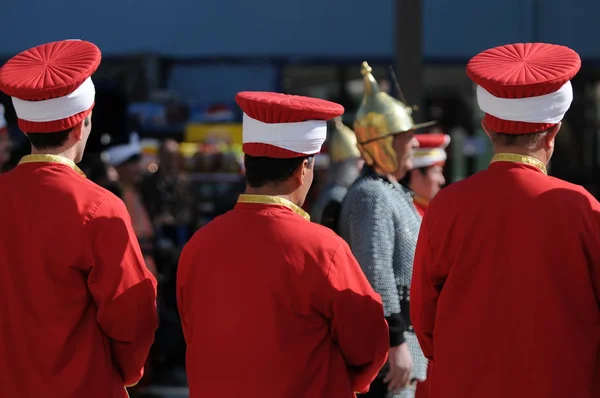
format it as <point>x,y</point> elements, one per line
<point>273,305</point>
<point>77,304</point>
<point>506,287</point>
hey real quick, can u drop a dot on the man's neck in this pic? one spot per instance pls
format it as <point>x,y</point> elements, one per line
<point>539,154</point>
<point>68,153</point>
<point>272,191</point>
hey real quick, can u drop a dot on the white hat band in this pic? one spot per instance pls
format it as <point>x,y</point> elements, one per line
<point>60,108</point>
<point>301,137</point>
<point>428,157</point>
<point>549,108</point>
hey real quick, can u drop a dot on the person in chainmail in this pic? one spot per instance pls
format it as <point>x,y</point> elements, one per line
<point>344,168</point>
<point>381,225</point>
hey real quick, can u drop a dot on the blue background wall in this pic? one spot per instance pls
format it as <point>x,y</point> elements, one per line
<point>461,28</point>
<point>328,28</point>
<point>206,27</point>
<point>454,30</point>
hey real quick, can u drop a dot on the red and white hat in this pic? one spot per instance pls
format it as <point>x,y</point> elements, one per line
<point>284,126</point>
<point>117,155</point>
<point>50,85</point>
<point>524,88</point>
<point>431,150</point>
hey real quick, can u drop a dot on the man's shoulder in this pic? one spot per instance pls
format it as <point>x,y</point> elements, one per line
<point>459,195</point>
<point>369,182</point>
<point>90,191</point>
<point>294,233</point>
<point>319,234</point>
<point>307,233</point>
<point>562,192</point>
<point>550,190</point>
<point>314,241</point>
<point>471,182</point>
<point>85,195</point>
<point>205,237</point>
<point>97,202</point>
<point>220,224</point>
<point>90,188</point>
<point>366,190</point>
<point>557,183</point>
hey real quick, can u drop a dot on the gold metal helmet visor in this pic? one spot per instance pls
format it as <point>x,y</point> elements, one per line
<point>378,119</point>
<point>342,142</point>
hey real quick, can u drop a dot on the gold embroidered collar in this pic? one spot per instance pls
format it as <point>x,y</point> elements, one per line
<point>273,200</point>
<point>518,158</point>
<point>45,158</point>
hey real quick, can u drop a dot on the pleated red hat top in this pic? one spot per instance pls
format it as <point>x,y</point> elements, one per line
<point>525,87</point>
<point>279,125</point>
<point>51,85</point>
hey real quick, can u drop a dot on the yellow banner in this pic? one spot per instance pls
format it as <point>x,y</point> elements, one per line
<point>228,132</point>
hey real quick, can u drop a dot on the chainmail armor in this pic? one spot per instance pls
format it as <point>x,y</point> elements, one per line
<point>381,225</point>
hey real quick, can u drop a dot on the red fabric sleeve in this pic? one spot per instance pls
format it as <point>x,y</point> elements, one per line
<point>591,238</point>
<point>357,320</point>
<point>122,287</point>
<point>424,292</point>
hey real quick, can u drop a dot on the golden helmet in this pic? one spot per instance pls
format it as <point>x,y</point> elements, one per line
<point>342,142</point>
<point>378,119</point>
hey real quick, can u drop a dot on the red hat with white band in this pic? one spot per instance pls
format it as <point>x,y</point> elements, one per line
<point>524,88</point>
<point>51,85</point>
<point>431,150</point>
<point>284,126</point>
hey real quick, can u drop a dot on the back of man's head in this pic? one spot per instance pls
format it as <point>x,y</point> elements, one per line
<point>52,92</point>
<point>281,134</point>
<point>263,171</point>
<point>525,91</point>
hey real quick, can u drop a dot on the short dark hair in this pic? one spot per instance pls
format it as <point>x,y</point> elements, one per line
<point>41,141</point>
<point>49,140</point>
<point>406,180</point>
<point>529,140</point>
<point>261,171</point>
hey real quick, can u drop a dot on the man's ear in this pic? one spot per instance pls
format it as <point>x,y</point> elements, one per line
<point>303,170</point>
<point>78,131</point>
<point>551,135</point>
<point>487,130</point>
<point>299,173</point>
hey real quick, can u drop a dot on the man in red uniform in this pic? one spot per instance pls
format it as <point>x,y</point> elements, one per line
<point>77,304</point>
<point>427,176</point>
<point>506,287</point>
<point>268,295</point>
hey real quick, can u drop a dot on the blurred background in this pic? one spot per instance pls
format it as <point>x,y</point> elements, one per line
<point>171,69</point>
